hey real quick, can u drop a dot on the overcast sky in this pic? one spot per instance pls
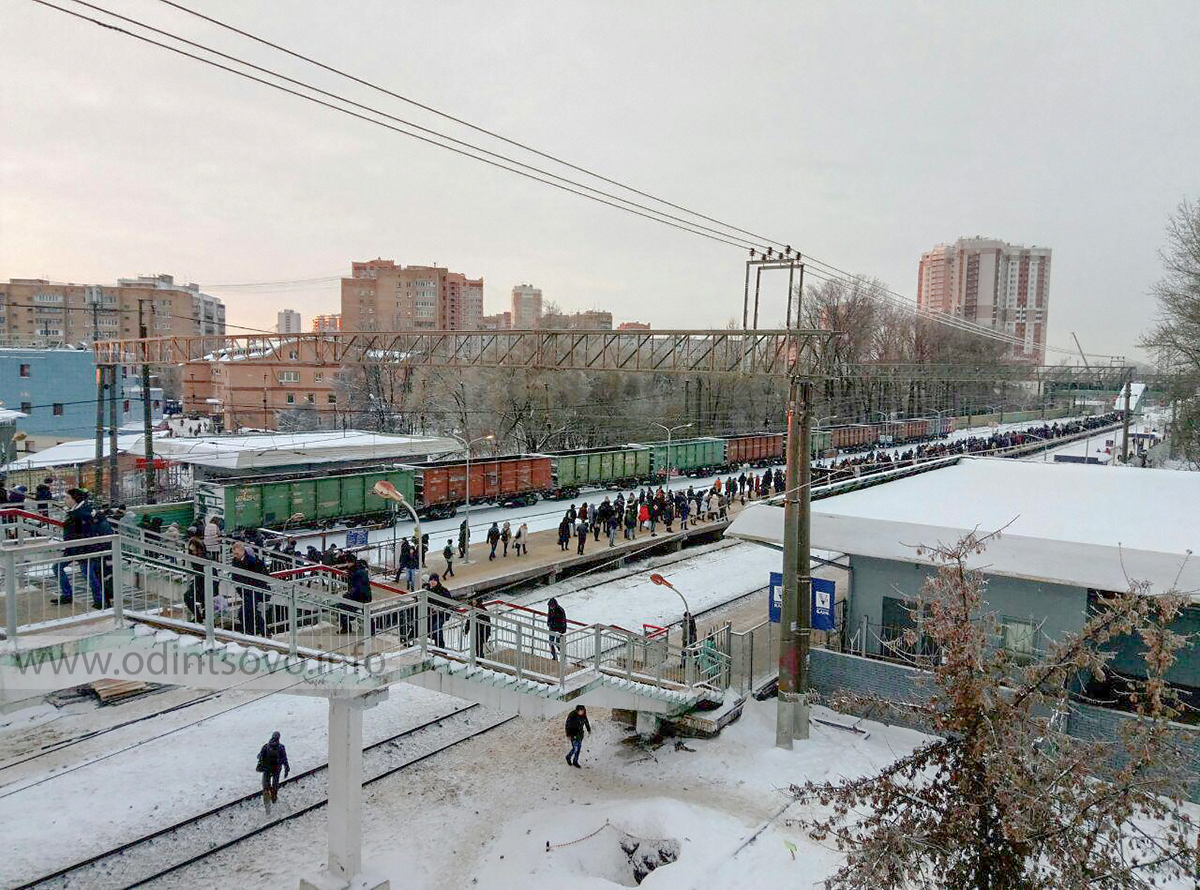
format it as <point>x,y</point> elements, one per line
<point>863,133</point>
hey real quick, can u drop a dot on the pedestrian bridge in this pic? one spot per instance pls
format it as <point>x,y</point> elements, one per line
<point>143,609</point>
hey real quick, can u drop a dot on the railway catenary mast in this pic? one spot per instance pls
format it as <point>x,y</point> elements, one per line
<point>793,354</point>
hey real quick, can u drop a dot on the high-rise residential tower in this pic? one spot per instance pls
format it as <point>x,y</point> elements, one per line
<point>526,307</point>
<point>288,322</point>
<point>1002,286</point>
<point>381,295</point>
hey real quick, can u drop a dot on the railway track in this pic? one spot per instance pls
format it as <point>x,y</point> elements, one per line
<point>167,850</point>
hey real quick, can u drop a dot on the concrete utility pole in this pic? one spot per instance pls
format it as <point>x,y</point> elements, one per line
<point>114,488</point>
<point>98,475</point>
<point>147,419</point>
<point>1125,433</point>
<point>796,620</point>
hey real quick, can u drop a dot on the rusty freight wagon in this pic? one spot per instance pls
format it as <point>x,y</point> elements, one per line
<point>442,485</point>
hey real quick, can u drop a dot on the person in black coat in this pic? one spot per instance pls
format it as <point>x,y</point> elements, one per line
<point>358,589</point>
<point>493,538</point>
<point>254,600</point>
<point>556,621</point>
<point>272,760</point>
<point>79,523</point>
<point>577,722</point>
<point>483,627</point>
<point>437,611</point>
<point>44,494</point>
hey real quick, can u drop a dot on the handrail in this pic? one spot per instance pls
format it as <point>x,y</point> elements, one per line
<point>25,514</point>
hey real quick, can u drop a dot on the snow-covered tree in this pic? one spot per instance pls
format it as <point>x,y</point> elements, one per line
<point>1003,797</point>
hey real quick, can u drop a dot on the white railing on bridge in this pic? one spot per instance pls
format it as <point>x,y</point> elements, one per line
<point>305,611</point>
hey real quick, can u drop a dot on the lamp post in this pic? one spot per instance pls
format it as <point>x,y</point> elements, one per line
<point>403,502</point>
<point>670,432</point>
<point>389,492</point>
<point>467,493</point>
<point>663,582</point>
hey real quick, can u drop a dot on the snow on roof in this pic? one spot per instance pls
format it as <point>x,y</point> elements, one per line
<point>282,449</point>
<point>73,453</point>
<point>1076,524</point>
<point>7,414</point>
<point>1135,396</point>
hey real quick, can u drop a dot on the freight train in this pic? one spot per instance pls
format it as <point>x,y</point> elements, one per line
<point>437,488</point>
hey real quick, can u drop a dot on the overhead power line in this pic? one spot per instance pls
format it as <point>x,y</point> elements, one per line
<point>727,233</point>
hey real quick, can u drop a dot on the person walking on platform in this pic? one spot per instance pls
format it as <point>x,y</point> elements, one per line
<point>577,722</point>
<point>506,536</point>
<point>565,528</point>
<point>521,539</point>
<point>464,539</point>
<point>630,522</point>
<point>556,621</point>
<point>581,530</point>
<point>493,538</point>
<point>272,760</point>
<point>448,555</point>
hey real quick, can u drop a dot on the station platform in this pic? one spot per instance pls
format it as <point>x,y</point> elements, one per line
<point>546,562</point>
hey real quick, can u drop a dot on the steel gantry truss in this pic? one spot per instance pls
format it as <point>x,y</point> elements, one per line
<point>760,353</point>
<point>768,353</point>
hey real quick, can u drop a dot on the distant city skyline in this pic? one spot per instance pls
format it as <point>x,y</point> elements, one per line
<point>865,171</point>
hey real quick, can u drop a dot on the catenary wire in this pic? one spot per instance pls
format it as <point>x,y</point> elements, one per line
<point>349,112</point>
<point>904,302</point>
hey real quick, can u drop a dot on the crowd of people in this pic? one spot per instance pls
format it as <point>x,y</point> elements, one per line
<point>646,510</point>
<point>890,457</point>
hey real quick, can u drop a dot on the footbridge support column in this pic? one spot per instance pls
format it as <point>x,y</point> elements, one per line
<point>345,868</point>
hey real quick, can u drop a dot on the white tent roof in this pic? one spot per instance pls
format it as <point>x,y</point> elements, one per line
<point>75,452</point>
<point>281,449</point>
<point>1076,524</point>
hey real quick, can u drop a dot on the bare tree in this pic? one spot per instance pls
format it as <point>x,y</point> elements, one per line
<point>1005,798</point>
<point>1175,338</point>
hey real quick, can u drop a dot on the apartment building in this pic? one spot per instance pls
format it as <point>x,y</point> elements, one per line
<point>43,312</point>
<point>250,393</point>
<point>288,322</point>
<point>381,295</point>
<point>322,323</point>
<point>591,320</point>
<point>526,307</point>
<point>501,321</point>
<point>55,387</point>
<point>1002,286</point>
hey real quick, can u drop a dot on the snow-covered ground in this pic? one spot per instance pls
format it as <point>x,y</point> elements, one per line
<point>481,814</point>
<point>94,795</point>
<point>707,580</point>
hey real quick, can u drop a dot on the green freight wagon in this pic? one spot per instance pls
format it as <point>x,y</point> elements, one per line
<point>611,466</point>
<point>687,455</point>
<point>822,441</point>
<point>324,501</point>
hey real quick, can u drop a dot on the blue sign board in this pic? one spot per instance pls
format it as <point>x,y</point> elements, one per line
<point>356,537</point>
<point>822,602</point>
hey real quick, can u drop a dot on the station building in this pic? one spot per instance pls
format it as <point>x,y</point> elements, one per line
<point>1068,533</point>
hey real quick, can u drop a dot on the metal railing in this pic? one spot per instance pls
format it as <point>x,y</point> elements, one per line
<point>305,611</point>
